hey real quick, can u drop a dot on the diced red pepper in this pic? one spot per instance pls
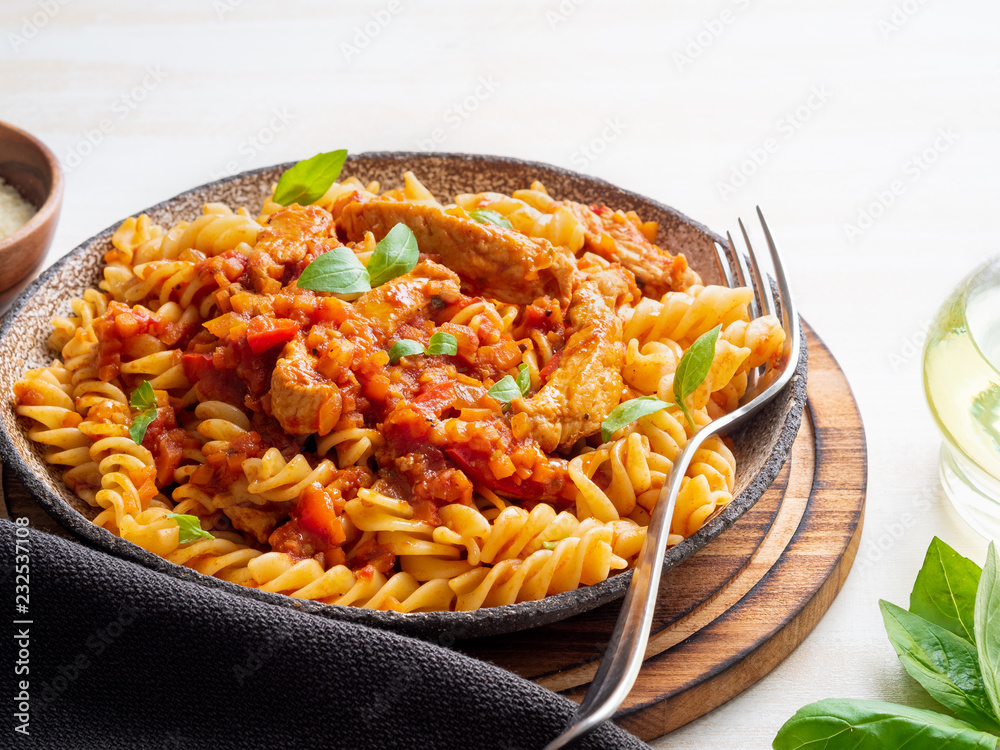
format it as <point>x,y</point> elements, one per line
<point>318,516</point>
<point>476,465</point>
<point>265,333</point>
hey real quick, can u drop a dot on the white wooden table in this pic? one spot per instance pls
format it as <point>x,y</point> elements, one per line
<point>868,131</point>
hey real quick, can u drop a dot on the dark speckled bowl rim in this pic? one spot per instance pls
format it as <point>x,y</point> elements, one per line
<point>445,627</point>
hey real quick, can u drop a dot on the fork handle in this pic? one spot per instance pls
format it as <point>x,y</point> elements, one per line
<point>627,646</point>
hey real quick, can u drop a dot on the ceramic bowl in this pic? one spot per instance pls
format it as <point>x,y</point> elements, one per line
<point>28,165</point>
<point>761,447</point>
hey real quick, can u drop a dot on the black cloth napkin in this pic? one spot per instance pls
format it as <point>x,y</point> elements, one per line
<point>118,656</point>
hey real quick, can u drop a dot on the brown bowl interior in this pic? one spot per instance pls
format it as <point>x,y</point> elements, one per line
<point>28,165</point>
<point>760,448</point>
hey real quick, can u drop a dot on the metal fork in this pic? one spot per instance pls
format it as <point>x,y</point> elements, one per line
<point>627,647</point>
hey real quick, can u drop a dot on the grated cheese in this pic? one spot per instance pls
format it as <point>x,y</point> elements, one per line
<point>15,211</point>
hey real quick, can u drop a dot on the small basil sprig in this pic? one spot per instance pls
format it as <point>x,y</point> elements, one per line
<point>440,343</point>
<point>487,216</point>
<point>404,348</point>
<point>626,413</point>
<point>189,528</point>
<point>340,272</point>
<point>143,399</point>
<point>394,255</point>
<point>693,369</point>
<point>690,374</point>
<point>938,651</point>
<point>309,180</point>
<point>507,388</point>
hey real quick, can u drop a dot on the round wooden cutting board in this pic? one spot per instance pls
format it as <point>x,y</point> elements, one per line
<point>732,612</point>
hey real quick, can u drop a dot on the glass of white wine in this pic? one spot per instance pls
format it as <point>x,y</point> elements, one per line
<point>962,383</point>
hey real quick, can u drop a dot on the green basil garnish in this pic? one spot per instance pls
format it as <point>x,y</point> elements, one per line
<point>523,379</point>
<point>309,180</point>
<point>338,271</point>
<point>487,216</point>
<point>190,528</point>
<point>395,254</point>
<point>693,369</point>
<point>442,343</point>
<point>505,390</point>
<point>143,399</point>
<point>626,413</point>
<point>404,348</point>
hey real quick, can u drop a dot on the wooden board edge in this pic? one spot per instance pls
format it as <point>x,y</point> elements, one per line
<point>657,719</point>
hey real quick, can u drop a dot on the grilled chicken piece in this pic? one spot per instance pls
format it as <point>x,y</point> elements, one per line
<point>587,383</point>
<point>288,232</point>
<point>494,261</point>
<point>617,237</point>
<point>404,297</point>
<point>256,520</point>
<point>302,400</point>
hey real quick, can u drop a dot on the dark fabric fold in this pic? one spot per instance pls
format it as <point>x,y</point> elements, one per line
<point>122,657</point>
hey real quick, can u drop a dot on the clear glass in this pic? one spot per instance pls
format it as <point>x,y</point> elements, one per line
<point>962,383</point>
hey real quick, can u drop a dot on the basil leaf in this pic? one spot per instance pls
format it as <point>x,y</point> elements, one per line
<point>137,430</point>
<point>505,390</point>
<point>395,254</point>
<point>338,271</point>
<point>945,664</point>
<point>442,343</point>
<point>486,216</point>
<point>987,627</point>
<point>523,379</point>
<point>945,590</point>
<point>143,399</point>
<point>309,180</point>
<point>190,528</point>
<point>873,725</point>
<point>693,369</point>
<point>404,348</point>
<point>626,413</point>
<point>550,545</point>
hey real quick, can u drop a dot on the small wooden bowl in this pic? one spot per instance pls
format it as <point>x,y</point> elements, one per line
<point>28,165</point>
